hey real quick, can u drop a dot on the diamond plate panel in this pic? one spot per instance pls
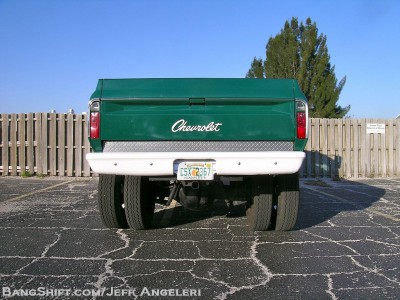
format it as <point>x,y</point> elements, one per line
<point>198,146</point>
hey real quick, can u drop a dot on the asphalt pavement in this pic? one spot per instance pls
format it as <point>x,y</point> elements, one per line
<point>345,246</point>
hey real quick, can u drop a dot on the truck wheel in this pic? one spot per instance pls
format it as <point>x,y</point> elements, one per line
<point>287,201</point>
<point>139,202</point>
<point>259,207</point>
<point>111,201</point>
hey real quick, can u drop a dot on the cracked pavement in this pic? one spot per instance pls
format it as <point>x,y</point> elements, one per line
<point>345,245</point>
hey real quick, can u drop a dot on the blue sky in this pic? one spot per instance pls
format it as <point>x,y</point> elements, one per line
<point>53,52</point>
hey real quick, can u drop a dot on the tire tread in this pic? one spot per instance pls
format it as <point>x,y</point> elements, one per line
<point>110,206</point>
<point>288,202</point>
<point>135,193</point>
<point>260,209</point>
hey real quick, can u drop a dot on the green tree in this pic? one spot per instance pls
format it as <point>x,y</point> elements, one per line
<point>299,52</point>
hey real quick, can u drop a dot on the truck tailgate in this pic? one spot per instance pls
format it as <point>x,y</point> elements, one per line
<point>199,119</point>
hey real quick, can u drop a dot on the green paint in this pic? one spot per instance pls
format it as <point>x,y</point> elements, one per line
<point>245,109</point>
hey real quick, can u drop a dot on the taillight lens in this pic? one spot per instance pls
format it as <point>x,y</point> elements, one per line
<point>94,125</point>
<point>301,125</point>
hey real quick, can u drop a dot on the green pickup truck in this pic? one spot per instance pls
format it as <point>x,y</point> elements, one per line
<point>196,140</point>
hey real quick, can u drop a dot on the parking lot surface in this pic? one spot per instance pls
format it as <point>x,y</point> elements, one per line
<point>345,245</point>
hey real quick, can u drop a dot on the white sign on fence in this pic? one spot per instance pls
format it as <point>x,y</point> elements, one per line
<point>375,128</point>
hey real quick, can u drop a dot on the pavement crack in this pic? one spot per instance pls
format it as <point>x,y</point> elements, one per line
<point>42,255</point>
<point>209,279</point>
<point>267,274</point>
<point>331,223</point>
<point>123,236</point>
<point>53,238</point>
<point>330,288</point>
<point>108,272</point>
<point>383,243</point>
<point>134,251</point>
<point>335,242</point>
<point>48,247</point>
<point>373,270</point>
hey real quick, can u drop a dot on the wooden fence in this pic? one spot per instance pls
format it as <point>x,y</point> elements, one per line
<point>44,144</point>
<point>56,145</point>
<point>342,148</point>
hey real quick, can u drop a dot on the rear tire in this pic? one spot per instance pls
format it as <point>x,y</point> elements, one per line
<point>259,206</point>
<point>139,202</point>
<point>111,201</point>
<point>287,201</point>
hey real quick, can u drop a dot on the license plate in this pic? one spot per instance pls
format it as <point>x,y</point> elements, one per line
<point>195,171</point>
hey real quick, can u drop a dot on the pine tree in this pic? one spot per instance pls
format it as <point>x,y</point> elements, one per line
<point>299,52</point>
<point>256,69</point>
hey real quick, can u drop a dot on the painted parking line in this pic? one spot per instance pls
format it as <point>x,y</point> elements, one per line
<point>36,192</point>
<point>340,199</point>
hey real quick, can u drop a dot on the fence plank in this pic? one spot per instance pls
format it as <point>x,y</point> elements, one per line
<point>311,167</point>
<point>340,148</point>
<point>21,152</point>
<point>78,146</point>
<point>324,145</point>
<point>30,144</point>
<point>53,144</point>
<point>5,142</point>
<point>44,139</point>
<point>317,156</point>
<point>389,142</point>
<point>375,153</point>
<point>355,148</point>
<point>363,147</point>
<point>332,147</point>
<point>348,149</point>
<point>70,145</point>
<point>397,146</point>
<point>86,166</point>
<point>39,152</point>
<point>13,146</point>
<point>368,169</point>
<point>383,149</point>
<point>61,145</point>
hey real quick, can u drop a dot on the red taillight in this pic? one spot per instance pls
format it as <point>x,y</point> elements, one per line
<point>301,125</point>
<point>94,125</point>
